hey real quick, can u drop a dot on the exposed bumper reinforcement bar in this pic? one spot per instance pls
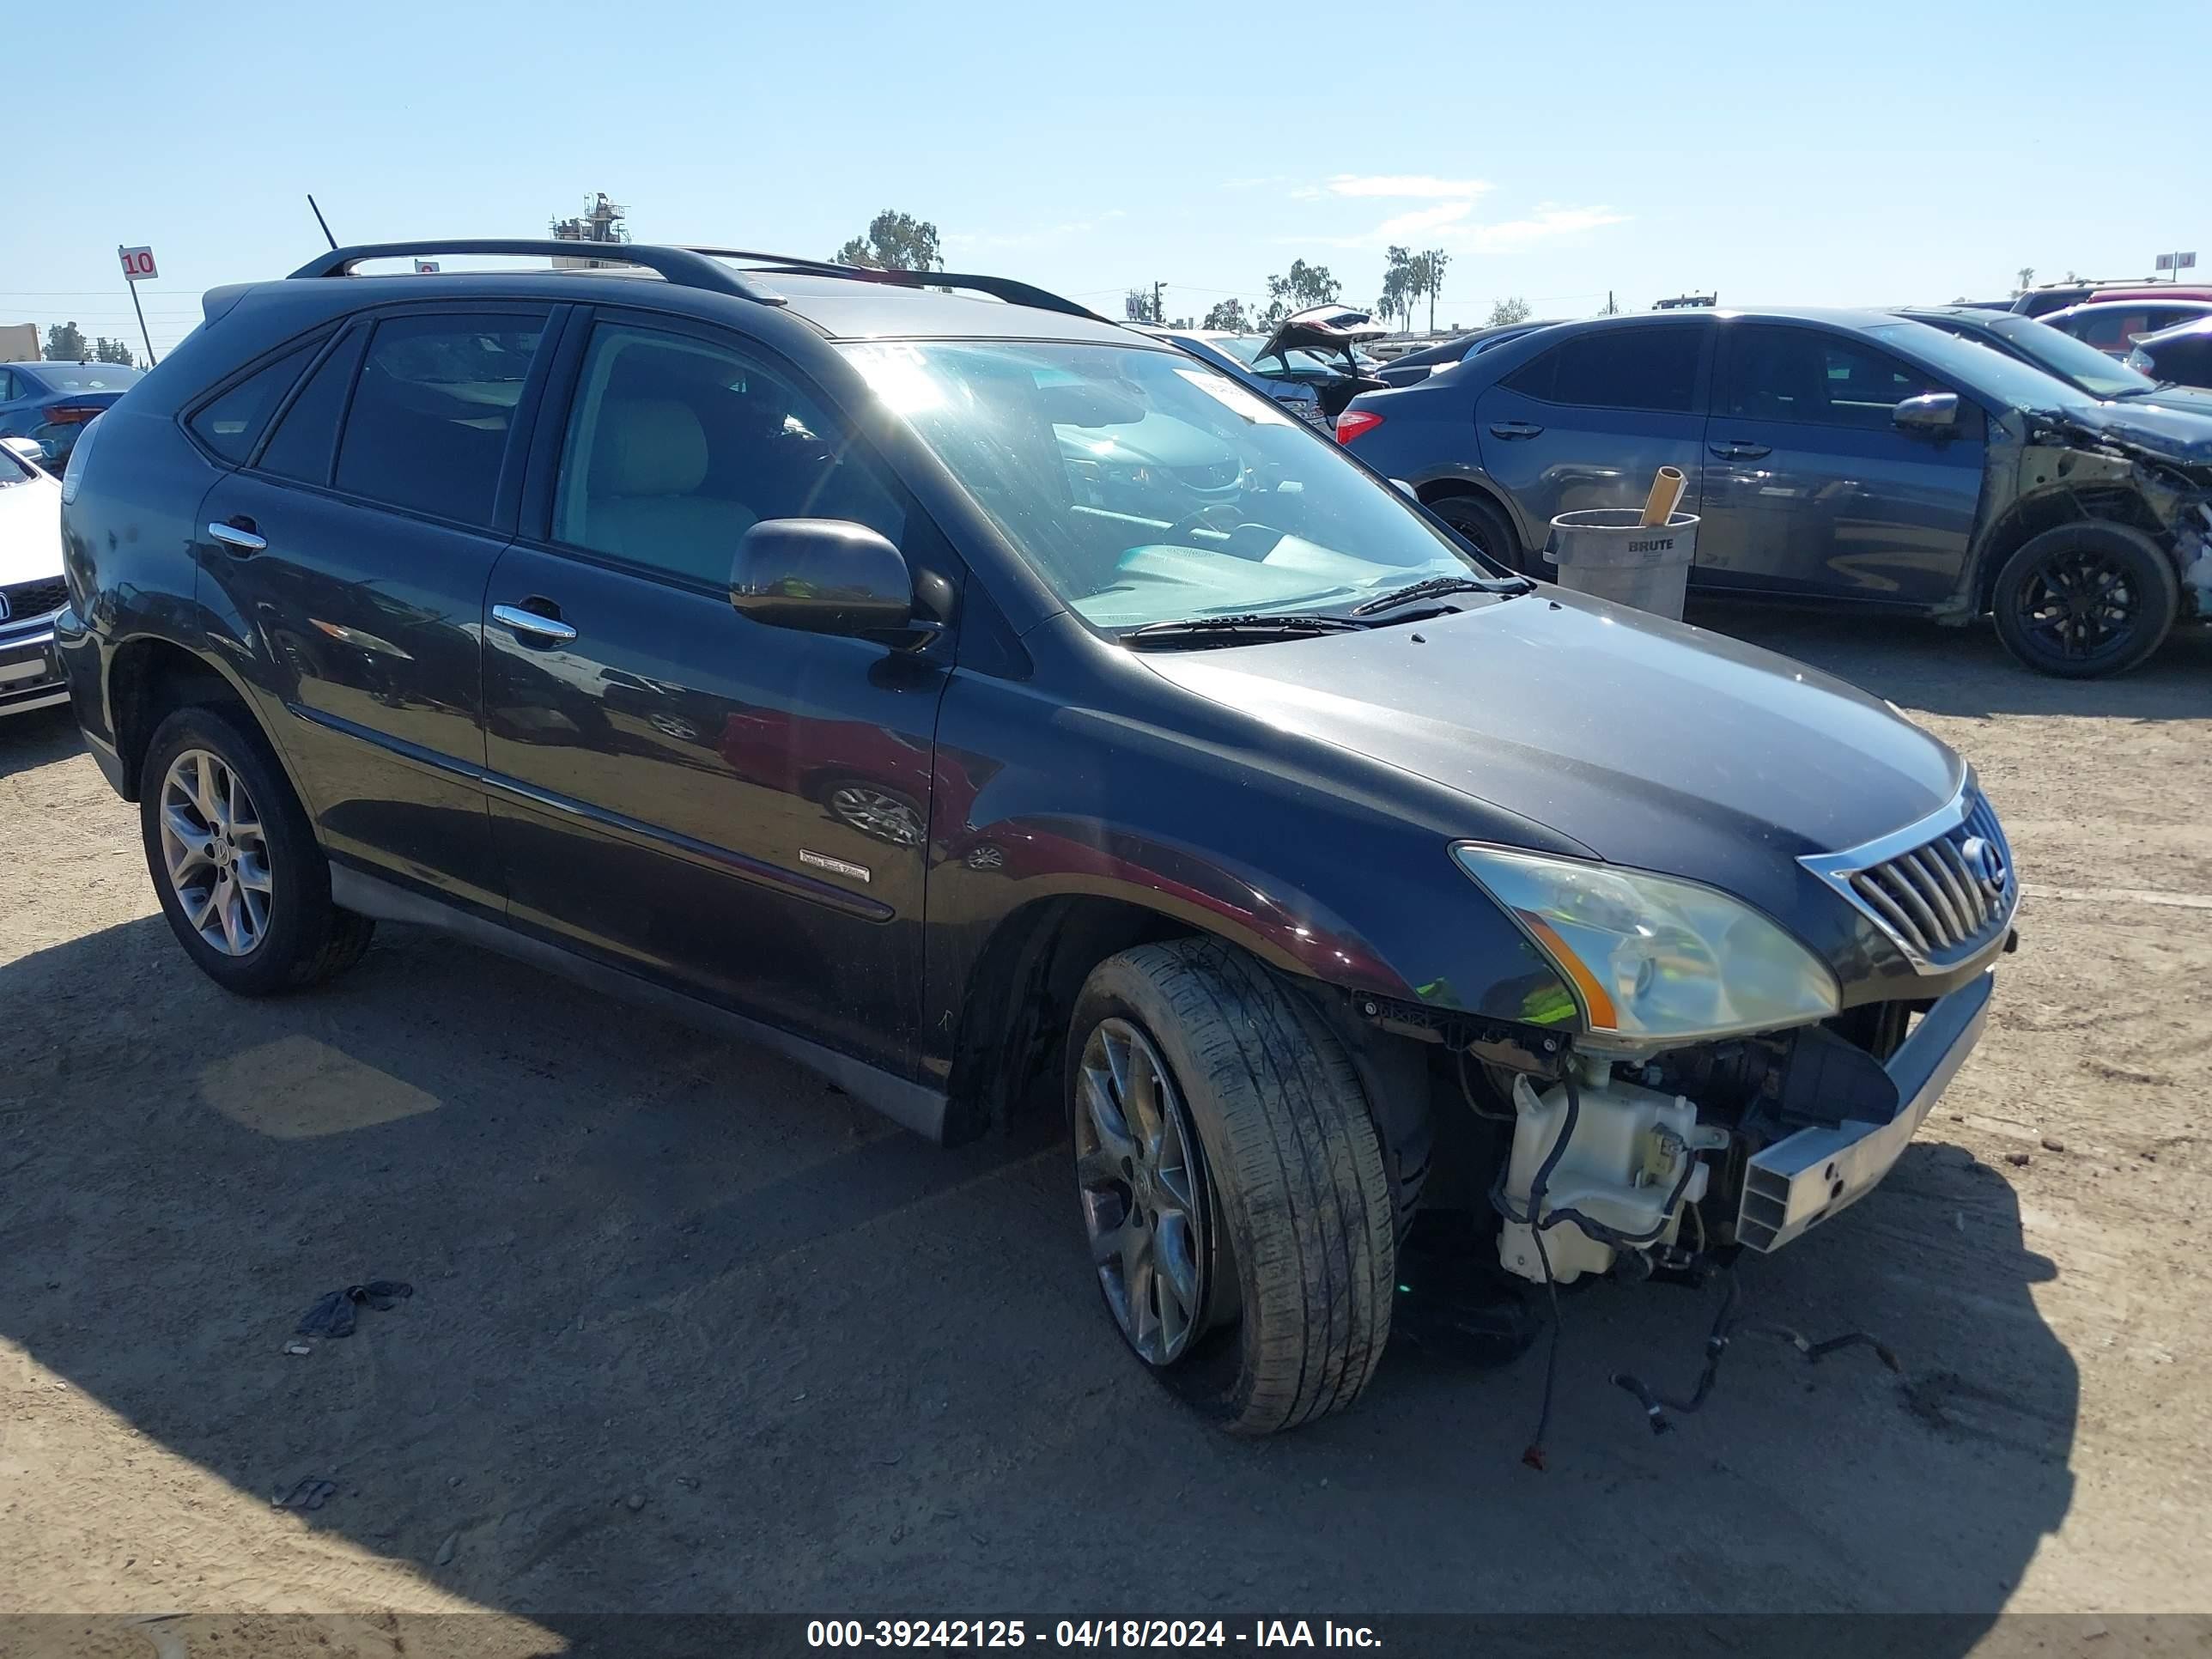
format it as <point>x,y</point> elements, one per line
<point>1804,1178</point>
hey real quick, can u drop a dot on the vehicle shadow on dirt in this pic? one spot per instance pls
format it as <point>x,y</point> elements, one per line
<point>1964,670</point>
<point>691,1331</point>
<point>37,738</point>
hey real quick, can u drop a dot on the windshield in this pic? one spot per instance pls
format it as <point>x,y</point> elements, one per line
<point>2077,360</point>
<point>1978,367</point>
<point>1145,488</point>
<point>84,377</point>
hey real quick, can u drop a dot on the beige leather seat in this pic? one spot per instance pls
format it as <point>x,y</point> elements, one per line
<point>649,458</point>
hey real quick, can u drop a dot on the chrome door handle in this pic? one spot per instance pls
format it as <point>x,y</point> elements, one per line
<point>1516,429</point>
<point>529,622</point>
<point>239,541</point>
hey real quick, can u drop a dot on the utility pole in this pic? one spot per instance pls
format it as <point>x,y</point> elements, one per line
<point>1159,303</point>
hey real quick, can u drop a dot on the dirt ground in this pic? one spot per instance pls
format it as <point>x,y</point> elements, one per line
<point>693,1333</point>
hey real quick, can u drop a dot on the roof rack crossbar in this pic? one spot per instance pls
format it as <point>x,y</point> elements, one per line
<point>687,267</point>
<point>1001,288</point>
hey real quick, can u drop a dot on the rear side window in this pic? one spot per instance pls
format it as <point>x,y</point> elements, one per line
<point>1653,368</point>
<point>232,422</point>
<point>308,434</point>
<point>431,411</point>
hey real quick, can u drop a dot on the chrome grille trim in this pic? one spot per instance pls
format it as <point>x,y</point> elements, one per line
<point>1922,888</point>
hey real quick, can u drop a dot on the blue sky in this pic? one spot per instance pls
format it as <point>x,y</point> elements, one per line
<point>1787,152</point>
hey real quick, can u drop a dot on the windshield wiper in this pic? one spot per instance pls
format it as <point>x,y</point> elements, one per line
<point>1439,584</point>
<point>1231,630</point>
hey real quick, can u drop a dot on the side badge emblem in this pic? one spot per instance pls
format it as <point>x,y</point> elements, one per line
<point>834,867</point>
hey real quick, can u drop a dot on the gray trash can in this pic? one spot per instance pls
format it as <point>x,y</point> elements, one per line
<point>1607,552</point>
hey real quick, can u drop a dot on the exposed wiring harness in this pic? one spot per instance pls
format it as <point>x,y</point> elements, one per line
<point>1726,1327</point>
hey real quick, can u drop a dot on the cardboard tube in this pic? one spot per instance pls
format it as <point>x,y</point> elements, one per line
<point>1666,491</point>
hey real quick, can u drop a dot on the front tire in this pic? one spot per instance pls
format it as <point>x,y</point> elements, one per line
<point>2086,599</point>
<point>1231,1185</point>
<point>1482,524</point>
<point>234,863</point>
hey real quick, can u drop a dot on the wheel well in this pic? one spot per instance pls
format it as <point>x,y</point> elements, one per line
<point>1020,995</point>
<point>149,681</point>
<point>2047,509</point>
<point>1442,490</point>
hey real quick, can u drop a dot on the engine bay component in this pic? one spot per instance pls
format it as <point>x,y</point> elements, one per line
<point>1607,1151</point>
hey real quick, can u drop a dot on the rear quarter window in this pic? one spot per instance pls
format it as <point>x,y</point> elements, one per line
<point>230,423</point>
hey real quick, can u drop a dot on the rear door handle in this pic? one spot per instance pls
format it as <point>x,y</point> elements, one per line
<point>1515,429</point>
<point>1740,451</point>
<point>239,537</point>
<point>530,622</point>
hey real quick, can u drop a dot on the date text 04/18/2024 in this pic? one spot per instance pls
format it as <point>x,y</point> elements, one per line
<point>1084,1633</point>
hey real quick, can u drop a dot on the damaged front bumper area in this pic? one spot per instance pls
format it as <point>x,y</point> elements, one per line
<point>1816,1174</point>
<point>1750,1143</point>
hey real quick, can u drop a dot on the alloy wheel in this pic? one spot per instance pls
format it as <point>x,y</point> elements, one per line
<point>2079,606</point>
<point>216,852</point>
<point>873,813</point>
<point>1143,1192</point>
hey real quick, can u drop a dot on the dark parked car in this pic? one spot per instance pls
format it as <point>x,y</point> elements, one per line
<point>1317,348</point>
<point>742,642</point>
<point>52,403</point>
<point>2062,356</point>
<point>2114,325</point>
<point>1413,367</point>
<point>1843,457</point>
<point>2181,354</point>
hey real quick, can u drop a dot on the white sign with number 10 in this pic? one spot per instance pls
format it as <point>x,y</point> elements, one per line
<point>137,262</point>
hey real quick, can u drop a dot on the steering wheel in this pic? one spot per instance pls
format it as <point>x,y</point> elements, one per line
<point>1208,517</point>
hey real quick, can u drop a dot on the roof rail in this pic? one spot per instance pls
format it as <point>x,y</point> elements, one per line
<point>1001,288</point>
<point>686,267</point>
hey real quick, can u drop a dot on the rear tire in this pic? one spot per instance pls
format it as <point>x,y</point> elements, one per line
<point>1491,531</point>
<point>234,862</point>
<point>1290,1206</point>
<point>2086,599</point>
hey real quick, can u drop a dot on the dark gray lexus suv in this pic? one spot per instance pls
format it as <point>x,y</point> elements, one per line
<point>764,640</point>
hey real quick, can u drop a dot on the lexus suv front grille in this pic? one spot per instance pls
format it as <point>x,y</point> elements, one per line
<point>1942,889</point>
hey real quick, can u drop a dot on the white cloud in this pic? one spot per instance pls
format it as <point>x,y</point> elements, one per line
<point>1421,221</point>
<point>1418,187</point>
<point>1548,221</point>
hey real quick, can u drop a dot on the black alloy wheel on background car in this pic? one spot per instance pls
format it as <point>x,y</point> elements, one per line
<point>2086,599</point>
<point>1231,1185</point>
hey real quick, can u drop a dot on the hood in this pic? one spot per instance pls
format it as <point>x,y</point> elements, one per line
<point>2162,429</point>
<point>1652,743</point>
<point>30,532</point>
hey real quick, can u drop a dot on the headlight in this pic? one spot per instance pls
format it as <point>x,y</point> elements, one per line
<point>1650,957</point>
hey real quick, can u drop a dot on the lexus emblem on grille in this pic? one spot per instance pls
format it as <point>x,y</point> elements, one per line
<point>1983,858</point>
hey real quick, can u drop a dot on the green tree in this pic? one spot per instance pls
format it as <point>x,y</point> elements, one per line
<point>895,241</point>
<point>1401,279</point>
<point>65,344</point>
<point>1228,315</point>
<point>1432,265</point>
<point>2027,280</point>
<point>1513,310</point>
<point>1302,285</point>
<point>104,350</point>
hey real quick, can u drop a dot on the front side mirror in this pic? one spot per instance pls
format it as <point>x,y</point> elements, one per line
<point>822,576</point>
<point>1934,413</point>
<point>29,449</point>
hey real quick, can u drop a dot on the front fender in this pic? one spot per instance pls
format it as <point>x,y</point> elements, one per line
<point>1324,864</point>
